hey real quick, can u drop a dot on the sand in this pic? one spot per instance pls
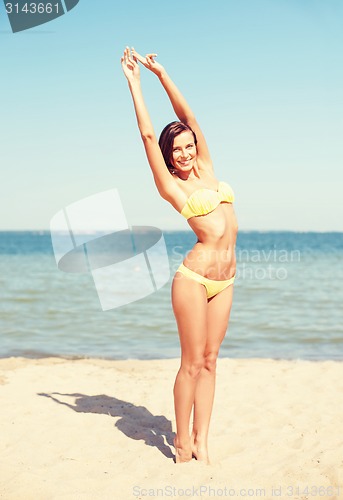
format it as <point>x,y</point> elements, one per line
<point>99,429</point>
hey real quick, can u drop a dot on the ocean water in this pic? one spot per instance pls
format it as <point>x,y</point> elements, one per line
<point>288,302</point>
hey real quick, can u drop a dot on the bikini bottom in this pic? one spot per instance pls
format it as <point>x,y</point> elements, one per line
<point>212,286</point>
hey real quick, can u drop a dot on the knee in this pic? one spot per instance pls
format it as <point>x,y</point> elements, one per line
<point>210,362</point>
<point>194,367</point>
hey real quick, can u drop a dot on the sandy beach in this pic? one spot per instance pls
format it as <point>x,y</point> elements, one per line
<point>100,429</point>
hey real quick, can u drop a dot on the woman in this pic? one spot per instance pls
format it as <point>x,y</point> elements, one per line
<point>202,287</point>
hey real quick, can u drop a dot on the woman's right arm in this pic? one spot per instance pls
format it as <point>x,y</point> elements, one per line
<point>163,179</point>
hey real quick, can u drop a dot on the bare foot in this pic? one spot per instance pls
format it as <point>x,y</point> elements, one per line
<point>182,454</point>
<point>199,450</point>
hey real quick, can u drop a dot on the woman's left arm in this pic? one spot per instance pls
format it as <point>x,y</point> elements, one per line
<point>181,107</point>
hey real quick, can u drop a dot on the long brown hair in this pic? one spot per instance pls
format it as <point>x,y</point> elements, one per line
<point>166,141</point>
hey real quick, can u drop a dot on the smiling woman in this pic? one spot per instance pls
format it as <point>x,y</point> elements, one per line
<point>202,288</point>
<point>178,144</point>
<point>184,152</point>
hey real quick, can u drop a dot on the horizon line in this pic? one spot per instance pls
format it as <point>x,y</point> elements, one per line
<point>323,231</point>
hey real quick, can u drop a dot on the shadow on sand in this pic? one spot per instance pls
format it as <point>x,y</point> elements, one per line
<point>136,422</point>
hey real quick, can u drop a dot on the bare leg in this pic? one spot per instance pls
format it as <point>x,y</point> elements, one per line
<point>218,313</point>
<point>203,403</point>
<point>192,326</point>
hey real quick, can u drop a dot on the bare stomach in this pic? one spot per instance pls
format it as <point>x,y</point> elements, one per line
<point>213,263</point>
<point>213,256</point>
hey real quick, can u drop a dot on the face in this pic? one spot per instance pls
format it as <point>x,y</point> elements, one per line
<point>184,151</point>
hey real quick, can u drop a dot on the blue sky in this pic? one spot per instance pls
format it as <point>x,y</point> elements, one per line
<point>265,80</point>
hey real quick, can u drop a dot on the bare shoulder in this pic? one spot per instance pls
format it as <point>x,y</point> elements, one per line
<point>173,193</point>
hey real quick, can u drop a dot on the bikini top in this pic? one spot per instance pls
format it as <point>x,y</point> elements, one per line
<point>205,200</point>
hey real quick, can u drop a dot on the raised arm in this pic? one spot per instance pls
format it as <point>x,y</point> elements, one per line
<point>180,105</point>
<point>163,179</point>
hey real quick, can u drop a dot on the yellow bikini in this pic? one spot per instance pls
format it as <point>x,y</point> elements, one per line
<point>212,286</point>
<point>202,202</point>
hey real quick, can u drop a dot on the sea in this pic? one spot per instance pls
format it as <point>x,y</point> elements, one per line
<point>288,302</point>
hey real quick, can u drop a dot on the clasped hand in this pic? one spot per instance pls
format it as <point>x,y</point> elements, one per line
<point>130,66</point>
